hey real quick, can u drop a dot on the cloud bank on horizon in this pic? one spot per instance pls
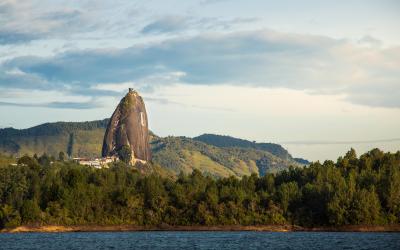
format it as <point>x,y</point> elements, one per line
<point>88,52</point>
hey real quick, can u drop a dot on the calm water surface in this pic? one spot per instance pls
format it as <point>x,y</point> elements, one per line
<point>200,240</point>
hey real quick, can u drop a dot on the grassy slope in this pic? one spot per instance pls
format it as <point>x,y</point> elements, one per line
<point>5,160</point>
<point>180,154</point>
<point>224,141</point>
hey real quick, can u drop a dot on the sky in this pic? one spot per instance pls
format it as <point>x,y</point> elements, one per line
<point>317,77</point>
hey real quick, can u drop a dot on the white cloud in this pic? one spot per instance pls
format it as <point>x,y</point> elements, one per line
<point>263,58</point>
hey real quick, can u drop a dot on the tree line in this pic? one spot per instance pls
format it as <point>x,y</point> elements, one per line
<point>353,190</point>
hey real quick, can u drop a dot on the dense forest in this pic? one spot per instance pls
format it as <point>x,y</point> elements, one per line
<point>353,190</point>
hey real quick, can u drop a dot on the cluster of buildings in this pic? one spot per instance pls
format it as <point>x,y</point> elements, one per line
<point>96,162</point>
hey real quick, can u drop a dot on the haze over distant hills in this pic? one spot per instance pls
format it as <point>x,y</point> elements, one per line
<point>212,154</point>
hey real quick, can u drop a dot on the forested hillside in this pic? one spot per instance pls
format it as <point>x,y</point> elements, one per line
<point>182,154</point>
<point>83,139</point>
<point>232,142</point>
<point>228,141</point>
<point>364,190</point>
<point>174,154</point>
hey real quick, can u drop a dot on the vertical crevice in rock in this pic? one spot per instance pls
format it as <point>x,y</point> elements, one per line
<point>70,147</point>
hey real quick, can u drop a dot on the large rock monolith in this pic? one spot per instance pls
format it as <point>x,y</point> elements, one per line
<point>128,128</point>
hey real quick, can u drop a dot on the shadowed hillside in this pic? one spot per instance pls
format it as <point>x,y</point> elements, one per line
<point>228,141</point>
<point>232,142</point>
<point>82,139</point>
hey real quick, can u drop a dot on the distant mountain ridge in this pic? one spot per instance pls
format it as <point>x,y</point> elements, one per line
<point>232,142</point>
<point>211,154</point>
<point>229,141</point>
<point>75,138</point>
<point>54,128</point>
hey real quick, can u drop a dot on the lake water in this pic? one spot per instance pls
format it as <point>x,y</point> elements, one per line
<point>200,240</point>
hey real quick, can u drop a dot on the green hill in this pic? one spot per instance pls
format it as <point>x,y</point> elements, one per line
<point>214,155</point>
<point>82,139</point>
<point>228,141</point>
<point>225,141</point>
<point>185,154</point>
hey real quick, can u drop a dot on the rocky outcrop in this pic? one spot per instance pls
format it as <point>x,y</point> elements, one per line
<point>128,127</point>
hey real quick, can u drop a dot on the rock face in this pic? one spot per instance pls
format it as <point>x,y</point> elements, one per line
<point>128,126</point>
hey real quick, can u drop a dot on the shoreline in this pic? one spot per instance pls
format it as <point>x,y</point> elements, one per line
<point>259,228</point>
